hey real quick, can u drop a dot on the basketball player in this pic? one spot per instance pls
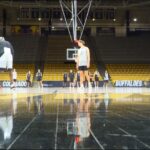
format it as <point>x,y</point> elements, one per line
<point>83,62</point>
<point>6,56</point>
<point>71,78</point>
<point>96,78</point>
<point>39,78</point>
<point>65,78</point>
<point>78,79</point>
<point>14,78</point>
<point>106,80</point>
<point>28,78</point>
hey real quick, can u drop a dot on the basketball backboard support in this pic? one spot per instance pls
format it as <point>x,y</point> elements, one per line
<point>71,6</point>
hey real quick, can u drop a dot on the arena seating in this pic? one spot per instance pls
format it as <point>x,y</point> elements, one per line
<point>25,46</point>
<point>134,49</point>
<point>54,66</point>
<point>4,76</point>
<point>54,72</point>
<point>129,71</point>
<point>57,46</point>
<point>21,69</point>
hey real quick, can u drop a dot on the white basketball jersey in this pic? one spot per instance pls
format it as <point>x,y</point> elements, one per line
<point>7,50</point>
<point>82,52</point>
<point>14,74</point>
<point>106,76</point>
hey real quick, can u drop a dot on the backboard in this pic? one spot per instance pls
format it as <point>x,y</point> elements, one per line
<point>71,54</point>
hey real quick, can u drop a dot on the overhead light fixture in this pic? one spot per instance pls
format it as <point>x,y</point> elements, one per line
<point>78,27</point>
<point>53,27</point>
<point>39,18</point>
<point>114,19</point>
<point>135,19</point>
<point>61,19</point>
<point>93,19</point>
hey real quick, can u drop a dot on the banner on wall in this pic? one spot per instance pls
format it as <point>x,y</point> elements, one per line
<point>60,84</point>
<point>118,83</point>
<point>52,83</point>
<point>18,83</point>
<point>22,84</point>
<point>129,83</point>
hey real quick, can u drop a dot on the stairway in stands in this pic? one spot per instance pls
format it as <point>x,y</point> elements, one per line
<point>91,43</point>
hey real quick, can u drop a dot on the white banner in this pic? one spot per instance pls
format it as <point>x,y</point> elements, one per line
<point>18,84</point>
<point>129,83</point>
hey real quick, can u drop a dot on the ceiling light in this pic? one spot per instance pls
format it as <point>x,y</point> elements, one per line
<point>135,19</point>
<point>93,19</point>
<point>39,18</point>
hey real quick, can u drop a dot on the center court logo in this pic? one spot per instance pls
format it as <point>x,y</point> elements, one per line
<point>18,84</point>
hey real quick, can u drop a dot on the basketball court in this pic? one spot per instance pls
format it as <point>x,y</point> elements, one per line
<point>44,34</point>
<point>46,119</point>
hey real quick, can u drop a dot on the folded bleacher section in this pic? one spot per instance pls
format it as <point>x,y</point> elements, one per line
<point>129,71</point>
<point>25,46</point>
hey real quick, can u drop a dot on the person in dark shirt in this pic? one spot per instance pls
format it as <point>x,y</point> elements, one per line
<point>71,78</point>
<point>28,78</point>
<point>96,79</point>
<point>39,78</point>
<point>65,79</point>
<point>78,79</point>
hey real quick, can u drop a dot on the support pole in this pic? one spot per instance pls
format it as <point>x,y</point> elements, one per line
<point>75,20</point>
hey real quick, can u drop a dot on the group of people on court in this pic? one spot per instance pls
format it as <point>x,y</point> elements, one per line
<point>28,78</point>
<point>82,65</point>
<point>72,79</point>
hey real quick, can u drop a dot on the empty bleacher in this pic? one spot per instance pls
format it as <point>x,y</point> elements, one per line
<point>25,46</point>
<point>134,49</point>
<point>4,76</point>
<point>57,46</point>
<point>129,71</point>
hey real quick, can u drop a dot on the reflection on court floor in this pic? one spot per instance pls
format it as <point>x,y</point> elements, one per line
<point>59,118</point>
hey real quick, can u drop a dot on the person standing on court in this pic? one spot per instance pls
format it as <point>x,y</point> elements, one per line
<point>28,78</point>
<point>83,62</point>
<point>106,80</point>
<point>14,77</point>
<point>96,78</point>
<point>39,78</point>
<point>78,79</point>
<point>6,57</point>
<point>71,78</point>
<point>65,78</point>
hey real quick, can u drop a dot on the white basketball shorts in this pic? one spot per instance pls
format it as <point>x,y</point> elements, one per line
<point>6,60</point>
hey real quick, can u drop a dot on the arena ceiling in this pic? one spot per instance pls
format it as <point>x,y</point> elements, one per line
<point>81,3</point>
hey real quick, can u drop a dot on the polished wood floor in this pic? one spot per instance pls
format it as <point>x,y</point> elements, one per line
<point>63,118</point>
